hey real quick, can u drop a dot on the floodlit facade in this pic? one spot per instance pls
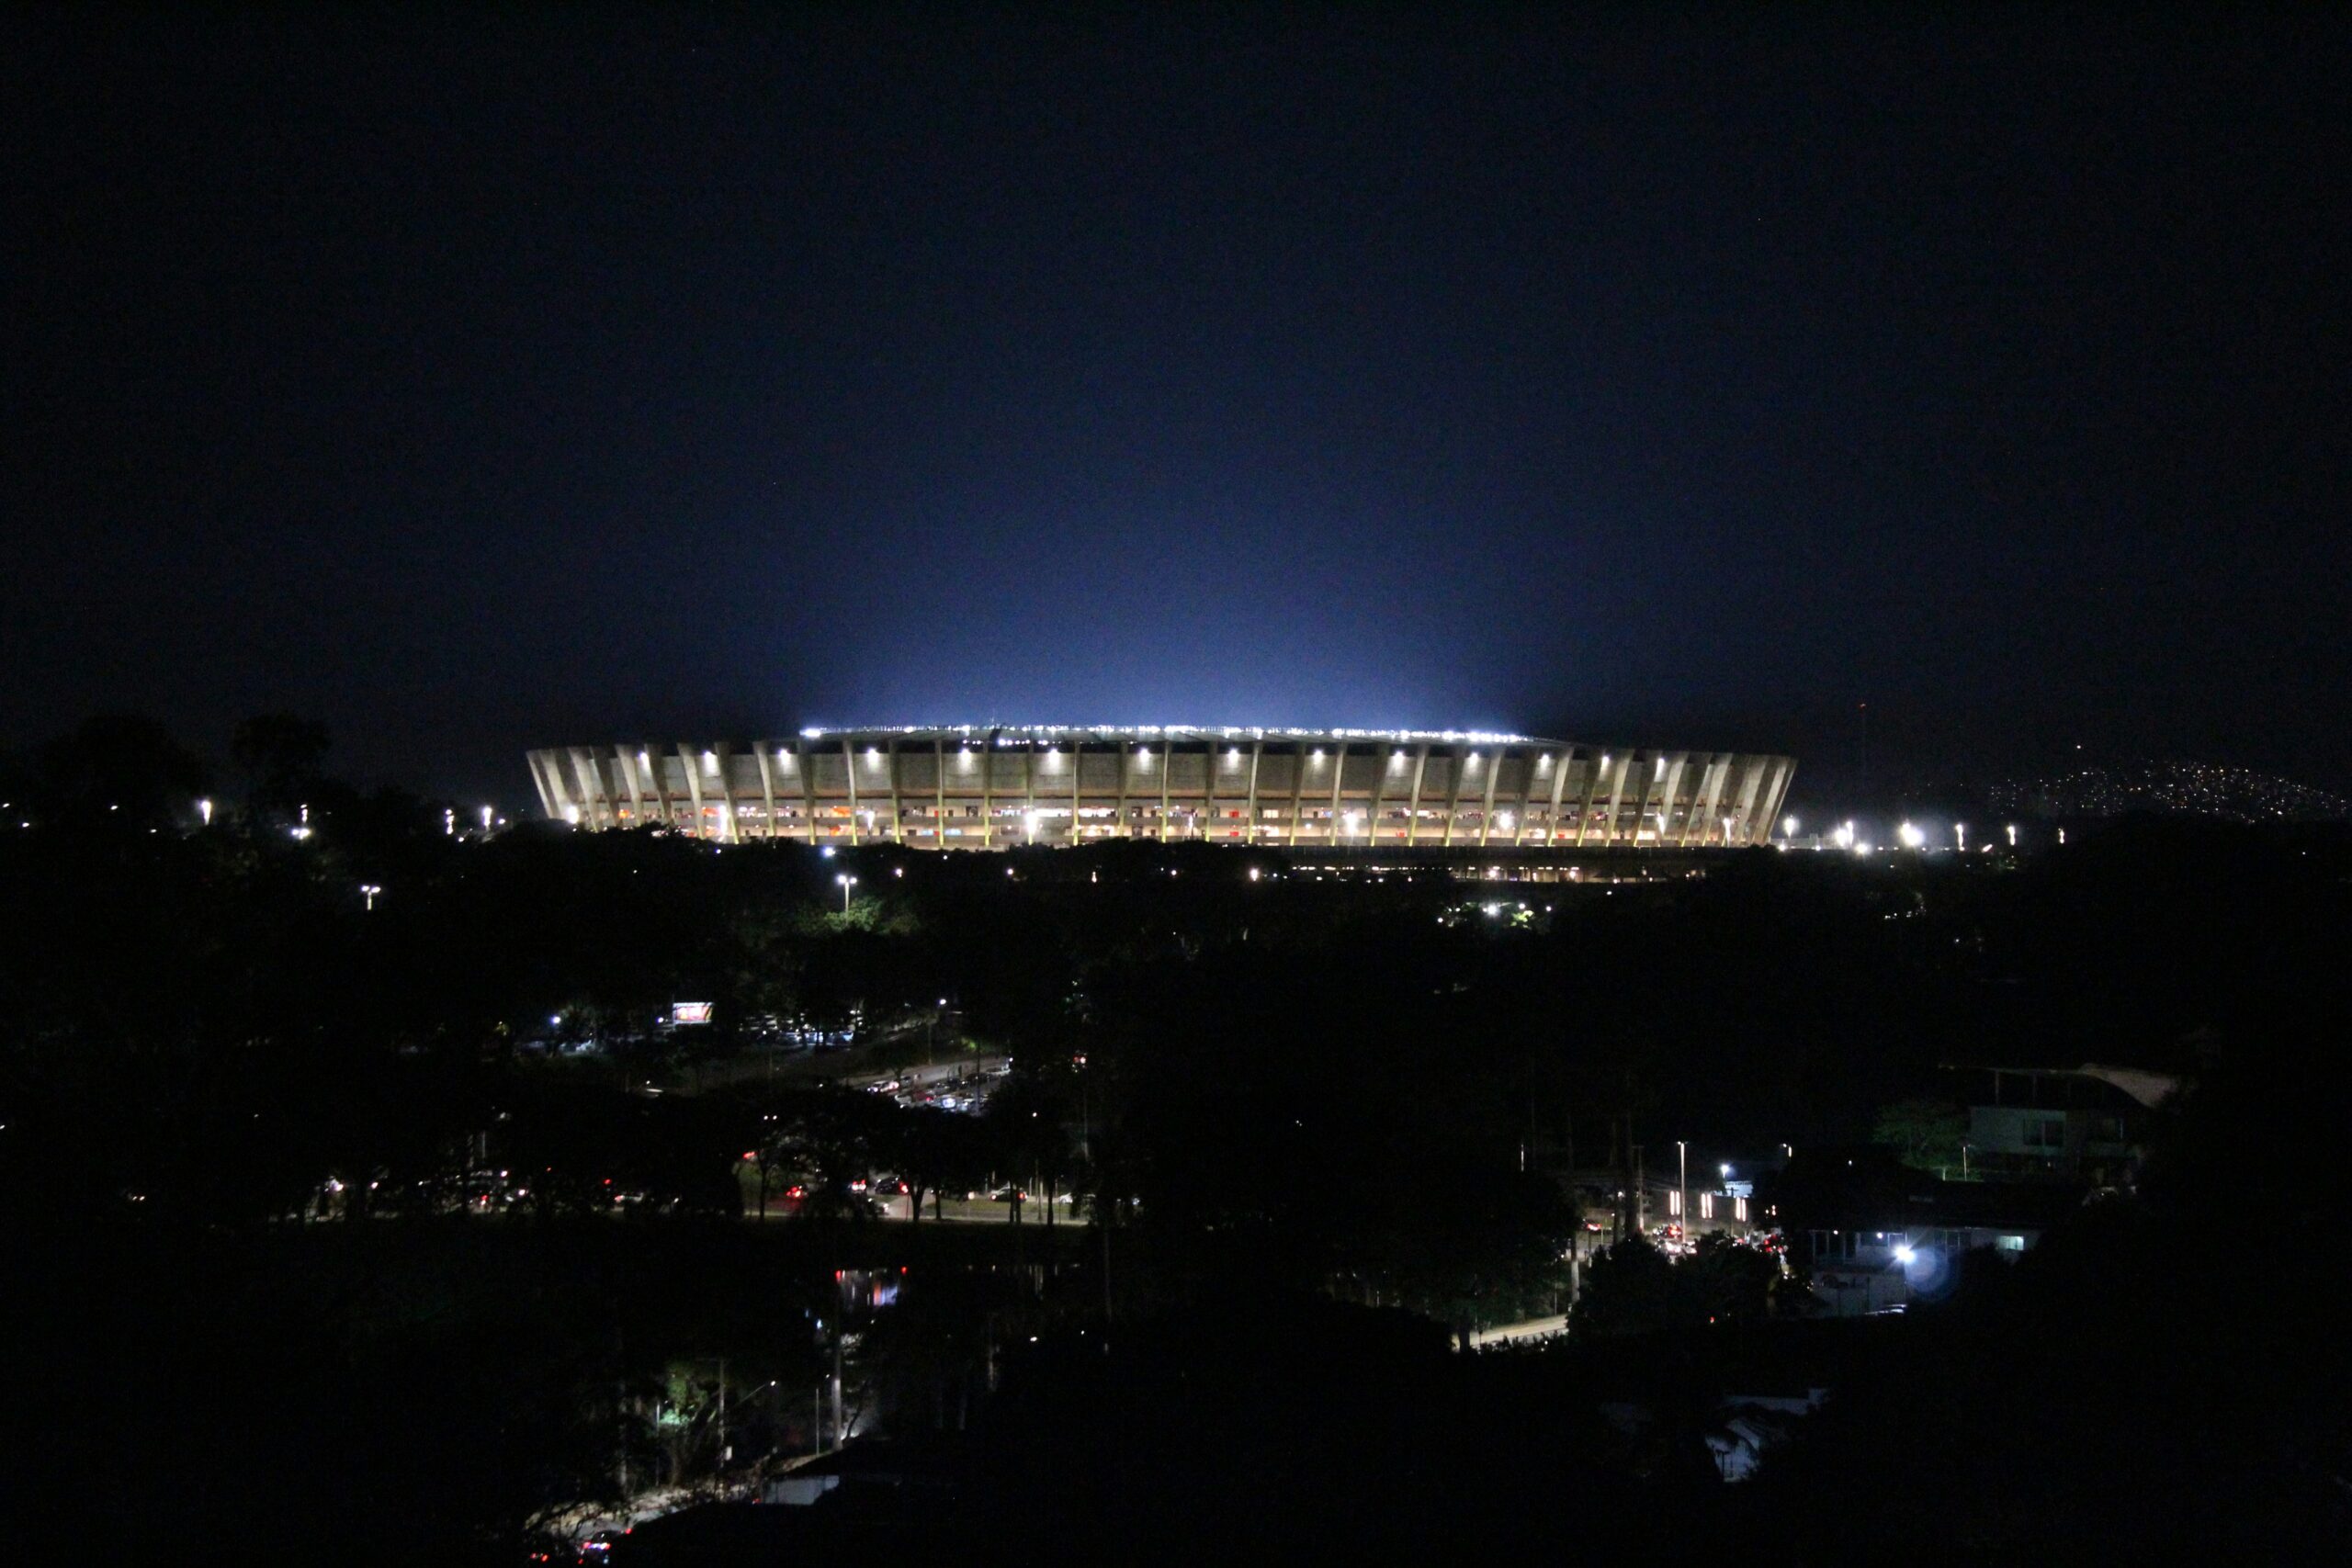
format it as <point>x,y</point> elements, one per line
<point>1002,787</point>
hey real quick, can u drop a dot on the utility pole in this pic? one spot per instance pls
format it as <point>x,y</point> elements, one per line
<point>838,1434</point>
<point>1683,1187</point>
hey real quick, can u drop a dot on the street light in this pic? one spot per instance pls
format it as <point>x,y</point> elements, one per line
<point>1960,833</point>
<point>1683,1185</point>
<point>204,810</point>
<point>2012,831</point>
<point>847,883</point>
<point>368,890</point>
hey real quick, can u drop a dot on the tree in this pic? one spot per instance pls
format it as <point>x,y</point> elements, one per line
<point>280,756</point>
<point>1926,1134</point>
<point>122,770</point>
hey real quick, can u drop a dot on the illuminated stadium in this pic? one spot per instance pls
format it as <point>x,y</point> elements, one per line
<point>995,787</point>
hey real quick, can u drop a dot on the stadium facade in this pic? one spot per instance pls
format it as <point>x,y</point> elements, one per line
<point>994,787</point>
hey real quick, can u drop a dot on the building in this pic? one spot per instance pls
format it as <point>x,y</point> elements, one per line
<point>2088,1124</point>
<point>993,787</point>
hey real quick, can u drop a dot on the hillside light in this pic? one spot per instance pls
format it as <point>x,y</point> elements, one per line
<point>2012,831</point>
<point>368,891</point>
<point>1960,834</point>
<point>204,810</point>
<point>486,816</point>
<point>847,883</point>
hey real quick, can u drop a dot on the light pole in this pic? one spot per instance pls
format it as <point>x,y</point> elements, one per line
<point>1683,1187</point>
<point>368,891</point>
<point>847,883</point>
<point>1960,834</point>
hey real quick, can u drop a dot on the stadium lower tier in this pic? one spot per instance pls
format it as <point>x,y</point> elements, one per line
<point>999,788</point>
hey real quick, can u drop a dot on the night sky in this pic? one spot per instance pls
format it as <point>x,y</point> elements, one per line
<point>472,383</point>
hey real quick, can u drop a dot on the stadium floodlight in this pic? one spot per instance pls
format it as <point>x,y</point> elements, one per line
<point>1911,836</point>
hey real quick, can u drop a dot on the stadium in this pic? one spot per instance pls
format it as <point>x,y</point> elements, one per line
<point>998,787</point>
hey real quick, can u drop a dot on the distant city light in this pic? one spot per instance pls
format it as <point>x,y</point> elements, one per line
<point>1911,836</point>
<point>204,810</point>
<point>1789,827</point>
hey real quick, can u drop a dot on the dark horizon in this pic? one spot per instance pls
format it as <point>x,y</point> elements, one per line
<point>471,383</point>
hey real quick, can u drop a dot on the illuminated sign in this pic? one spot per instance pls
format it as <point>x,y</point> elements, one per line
<point>690,1012</point>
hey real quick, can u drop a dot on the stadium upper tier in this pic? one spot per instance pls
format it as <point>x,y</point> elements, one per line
<point>1001,786</point>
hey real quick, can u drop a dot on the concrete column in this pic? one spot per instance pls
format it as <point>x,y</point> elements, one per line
<point>1526,793</point>
<point>1298,788</point>
<point>1486,806</point>
<point>1339,778</point>
<point>988,790</point>
<point>808,785</point>
<point>1717,768</point>
<point>768,784</point>
<point>849,765</point>
<point>1617,797</point>
<point>1454,794</point>
<point>1167,768</point>
<point>1560,765</point>
<point>693,765</point>
<point>1379,792</point>
<point>939,778</point>
<point>1249,816</point>
<point>728,832</point>
<point>1413,812</point>
<point>1126,761</point>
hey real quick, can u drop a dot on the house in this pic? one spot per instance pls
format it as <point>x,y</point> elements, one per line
<point>2089,1123</point>
<point>1877,1235</point>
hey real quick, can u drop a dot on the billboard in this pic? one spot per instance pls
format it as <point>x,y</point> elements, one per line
<point>689,1012</point>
